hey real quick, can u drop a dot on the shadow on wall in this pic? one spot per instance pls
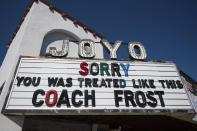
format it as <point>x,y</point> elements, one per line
<point>55,39</point>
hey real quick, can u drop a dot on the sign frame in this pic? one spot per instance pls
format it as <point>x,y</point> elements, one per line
<point>93,111</point>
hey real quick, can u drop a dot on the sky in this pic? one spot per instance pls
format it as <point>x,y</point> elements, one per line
<point>166,28</point>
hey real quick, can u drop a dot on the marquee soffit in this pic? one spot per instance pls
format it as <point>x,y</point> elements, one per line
<point>52,7</point>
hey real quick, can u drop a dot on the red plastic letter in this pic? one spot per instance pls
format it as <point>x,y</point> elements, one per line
<point>47,98</point>
<point>83,66</point>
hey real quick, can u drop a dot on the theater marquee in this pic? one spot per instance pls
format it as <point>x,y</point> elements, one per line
<point>65,85</point>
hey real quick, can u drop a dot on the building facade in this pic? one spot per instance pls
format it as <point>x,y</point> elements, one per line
<point>47,35</point>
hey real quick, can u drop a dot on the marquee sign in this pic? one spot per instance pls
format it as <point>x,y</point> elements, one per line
<point>65,85</point>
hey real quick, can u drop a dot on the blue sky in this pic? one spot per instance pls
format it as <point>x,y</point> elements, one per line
<point>167,28</point>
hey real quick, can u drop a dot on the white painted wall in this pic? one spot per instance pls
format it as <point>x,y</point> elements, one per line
<point>39,22</point>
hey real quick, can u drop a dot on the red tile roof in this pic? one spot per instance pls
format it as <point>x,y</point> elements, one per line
<point>52,7</point>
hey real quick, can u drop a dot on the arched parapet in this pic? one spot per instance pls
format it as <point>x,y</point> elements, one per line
<point>55,38</point>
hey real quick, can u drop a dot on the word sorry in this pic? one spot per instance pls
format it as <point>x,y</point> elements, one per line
<point>103,68</point>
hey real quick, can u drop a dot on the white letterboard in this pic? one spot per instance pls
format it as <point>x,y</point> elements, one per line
<point>113,94</point>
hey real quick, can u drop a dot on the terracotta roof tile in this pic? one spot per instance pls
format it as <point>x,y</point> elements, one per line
<point>52,7</point>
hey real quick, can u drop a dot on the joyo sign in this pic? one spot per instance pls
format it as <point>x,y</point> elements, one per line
<point>86,49</point>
